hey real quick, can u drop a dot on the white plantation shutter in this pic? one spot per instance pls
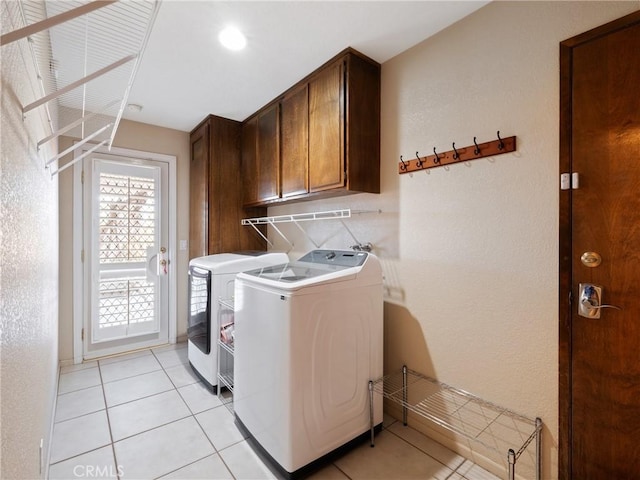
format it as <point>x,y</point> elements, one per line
<point>127,211</point>
<point>127,218</point>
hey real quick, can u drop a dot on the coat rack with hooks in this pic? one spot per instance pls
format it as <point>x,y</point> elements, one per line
<point>305,217</point>
<point>458,154</point>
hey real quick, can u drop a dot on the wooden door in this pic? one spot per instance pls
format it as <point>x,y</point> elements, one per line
<point>600,358</point>
<point>294,148</point>
<point>268,155</point>
<point>225,191</point>
<point>250,161</point>
<point>326,129</point>
<point>199,193</point>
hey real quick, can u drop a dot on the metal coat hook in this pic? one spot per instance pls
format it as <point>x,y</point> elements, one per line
<point>456,155</point>
<point>418,162</point>
<point>404,165</point>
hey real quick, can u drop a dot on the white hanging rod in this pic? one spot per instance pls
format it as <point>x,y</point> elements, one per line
<point>53,21</point>
<point>76,123</point>
<point>78,83</point>
<point>298,217</point>
<point>76,145</point>
<point>77,159</point>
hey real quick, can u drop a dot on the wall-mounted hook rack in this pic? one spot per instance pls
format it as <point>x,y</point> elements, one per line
<point>457,154</point>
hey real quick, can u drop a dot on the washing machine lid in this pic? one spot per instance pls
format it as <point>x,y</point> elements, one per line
<point>222,263</point>
<point>328,264</point>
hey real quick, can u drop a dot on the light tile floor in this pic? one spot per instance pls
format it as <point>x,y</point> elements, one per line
<point>146,415</point>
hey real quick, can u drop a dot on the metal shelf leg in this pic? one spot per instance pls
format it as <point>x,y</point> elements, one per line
<point>404,395</point>
<point>538,448</point>
<point>371,426</point>
<point>512,464</point>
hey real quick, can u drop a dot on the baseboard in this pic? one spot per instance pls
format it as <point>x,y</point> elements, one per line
<point>54,405</point>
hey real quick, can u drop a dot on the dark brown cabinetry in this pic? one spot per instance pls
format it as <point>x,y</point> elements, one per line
<point>326,139</point>
<point>294,142</point>
<point>326,129</point>
<point>215,195</point>
<point>261,156</point>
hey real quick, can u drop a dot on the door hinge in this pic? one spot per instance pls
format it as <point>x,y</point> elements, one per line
<point>569,181</point>
<point>82,335</point>
<point>82,177</point>
<point>82,256</point>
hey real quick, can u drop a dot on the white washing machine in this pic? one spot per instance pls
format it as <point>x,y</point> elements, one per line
<point>210,278</point>
<point>308,338</point>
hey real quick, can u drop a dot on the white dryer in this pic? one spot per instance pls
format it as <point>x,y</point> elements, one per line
<point>210,278</point>
<point>308,338</point>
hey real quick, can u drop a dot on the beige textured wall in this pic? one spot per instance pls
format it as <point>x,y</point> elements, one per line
<point>475,266</point>
<point>135,136</point>
<point>29,267</point>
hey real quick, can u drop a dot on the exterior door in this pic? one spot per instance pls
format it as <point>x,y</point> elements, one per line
<point>126,256</point>
<point>600,357</point>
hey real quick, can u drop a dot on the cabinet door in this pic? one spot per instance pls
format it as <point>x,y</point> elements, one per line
<point>250,161</point>
<point>294,146</point>
<point>268,155</point>
<point>199,193</point>
<point>225,191</point>
<point>326,129</point>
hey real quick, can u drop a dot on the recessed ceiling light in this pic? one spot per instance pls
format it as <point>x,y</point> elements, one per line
<point>134,107</point>
<point>232,38</point>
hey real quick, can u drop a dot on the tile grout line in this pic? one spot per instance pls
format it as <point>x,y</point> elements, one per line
<point>425,453</point>
<point>215,450</point>
<point>106,409</point>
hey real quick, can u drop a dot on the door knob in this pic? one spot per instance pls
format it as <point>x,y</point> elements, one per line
<point>591,301</point>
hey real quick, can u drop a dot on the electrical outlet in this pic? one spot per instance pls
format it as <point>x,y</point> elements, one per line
<point>184,244</point>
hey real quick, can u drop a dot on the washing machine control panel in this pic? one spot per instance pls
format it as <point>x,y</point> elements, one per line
<point>335,257</point>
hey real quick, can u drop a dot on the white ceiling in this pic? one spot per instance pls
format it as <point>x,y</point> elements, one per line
<point>185,74</point>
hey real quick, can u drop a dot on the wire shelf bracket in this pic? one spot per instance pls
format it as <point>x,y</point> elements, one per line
<point>340,214</point>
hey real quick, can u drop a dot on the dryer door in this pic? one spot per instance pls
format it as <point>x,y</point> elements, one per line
<point>199,321</point>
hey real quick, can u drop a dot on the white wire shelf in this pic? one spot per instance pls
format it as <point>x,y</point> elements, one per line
<point>86,55</point>
<point>340,214</point>
<point>298,217</point>
<point>496,428</point>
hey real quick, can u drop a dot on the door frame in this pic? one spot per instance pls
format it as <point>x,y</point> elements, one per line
<point>79,306</point>
<point>565,237</point>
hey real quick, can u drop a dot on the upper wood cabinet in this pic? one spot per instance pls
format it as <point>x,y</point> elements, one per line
<point>326,129</point>
<point>294,142</point>
<point>215,186</point>
<point>327,139</point>
<point>250,161</point>
<point>261,156</point>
